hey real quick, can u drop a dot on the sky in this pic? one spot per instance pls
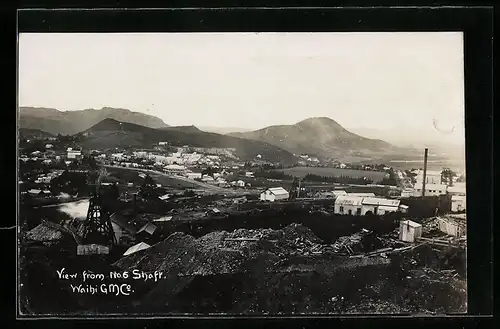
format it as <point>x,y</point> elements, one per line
<point>402,83</point>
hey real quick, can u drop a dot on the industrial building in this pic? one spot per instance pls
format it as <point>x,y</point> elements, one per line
<point>359,205</point>
<point>274,194</point>
<point>431,190</point>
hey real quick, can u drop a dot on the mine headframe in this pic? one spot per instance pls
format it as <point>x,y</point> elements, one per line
<point>97,227</point>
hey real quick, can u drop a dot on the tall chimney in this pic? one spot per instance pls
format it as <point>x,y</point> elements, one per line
<point>134,202</point>
<point>425,171</point>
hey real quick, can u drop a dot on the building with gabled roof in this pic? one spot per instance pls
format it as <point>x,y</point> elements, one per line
<point>275,193</point>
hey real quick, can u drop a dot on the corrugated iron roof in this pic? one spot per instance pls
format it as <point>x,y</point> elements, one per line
<point>349,200</point>
<point>278,191</point>
<point>411,223</point>
<point>136,248</point>
<point>380,202</point>
<point>149,228</point>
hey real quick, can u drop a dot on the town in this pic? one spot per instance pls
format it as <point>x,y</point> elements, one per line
<point>124,204</point>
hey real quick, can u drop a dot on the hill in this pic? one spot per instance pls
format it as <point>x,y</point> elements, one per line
<point>186,129</point>
<point>319,136</point>
<point>111,133</point>
<point>224,130</point>
<point>30,133</point>
<point>71,122</point>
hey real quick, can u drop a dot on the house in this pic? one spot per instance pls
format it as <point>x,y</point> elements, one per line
<point>163,219</point>
<point>193,175</point>
<point>249,174</point>
<point>221,182</point>
<point>275,193</point>
<point>208,179</point>
<point>49,146</point>
<point>458,203</point>
<point>162,143</point>
<point>138,247</point>
<point>73,154</point>
<point>47,161</point>
<point>409,231</point>
<point>164,197</point>
<point>347,204</point>
<point>452,226</point>
<point>240,183</point>
<point>430,190</point>
<point>35,192</point>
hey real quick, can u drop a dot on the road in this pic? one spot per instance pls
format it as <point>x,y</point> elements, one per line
<point>208,187</point>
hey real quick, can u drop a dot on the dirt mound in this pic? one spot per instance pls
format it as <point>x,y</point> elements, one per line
<point>218,252</point>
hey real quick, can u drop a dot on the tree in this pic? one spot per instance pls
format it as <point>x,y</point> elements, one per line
<point>447,176</point>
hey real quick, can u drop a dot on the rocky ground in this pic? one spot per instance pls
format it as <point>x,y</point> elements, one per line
<point>270,271</point>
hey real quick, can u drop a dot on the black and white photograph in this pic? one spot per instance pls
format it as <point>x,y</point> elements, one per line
<point>264,174</point>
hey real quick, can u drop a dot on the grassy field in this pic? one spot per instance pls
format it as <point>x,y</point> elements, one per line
<point>334,172</point>
<point>132,176</point>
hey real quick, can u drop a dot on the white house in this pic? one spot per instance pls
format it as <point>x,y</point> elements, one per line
<point>409,231</point>
<point>240,183</point>
<point>73,154</point>
<point>431,189</point>
<point>208,179</point>
<point>275,193</point>
<point>248,174</point>
<point>458,203</point>
<point>49,146</point>
<point>193,175</point>
<point>162,143</point>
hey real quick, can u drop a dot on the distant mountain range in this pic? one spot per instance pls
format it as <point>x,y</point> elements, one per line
<point>110,133</point>
<point>30,133</point>
<point>111,127</point>
<point>71,122</point>
<point>319,136</point>
<point>224,130</point>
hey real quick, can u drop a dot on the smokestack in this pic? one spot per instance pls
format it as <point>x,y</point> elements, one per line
<point>134,202</point>
<point>425,171</point>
